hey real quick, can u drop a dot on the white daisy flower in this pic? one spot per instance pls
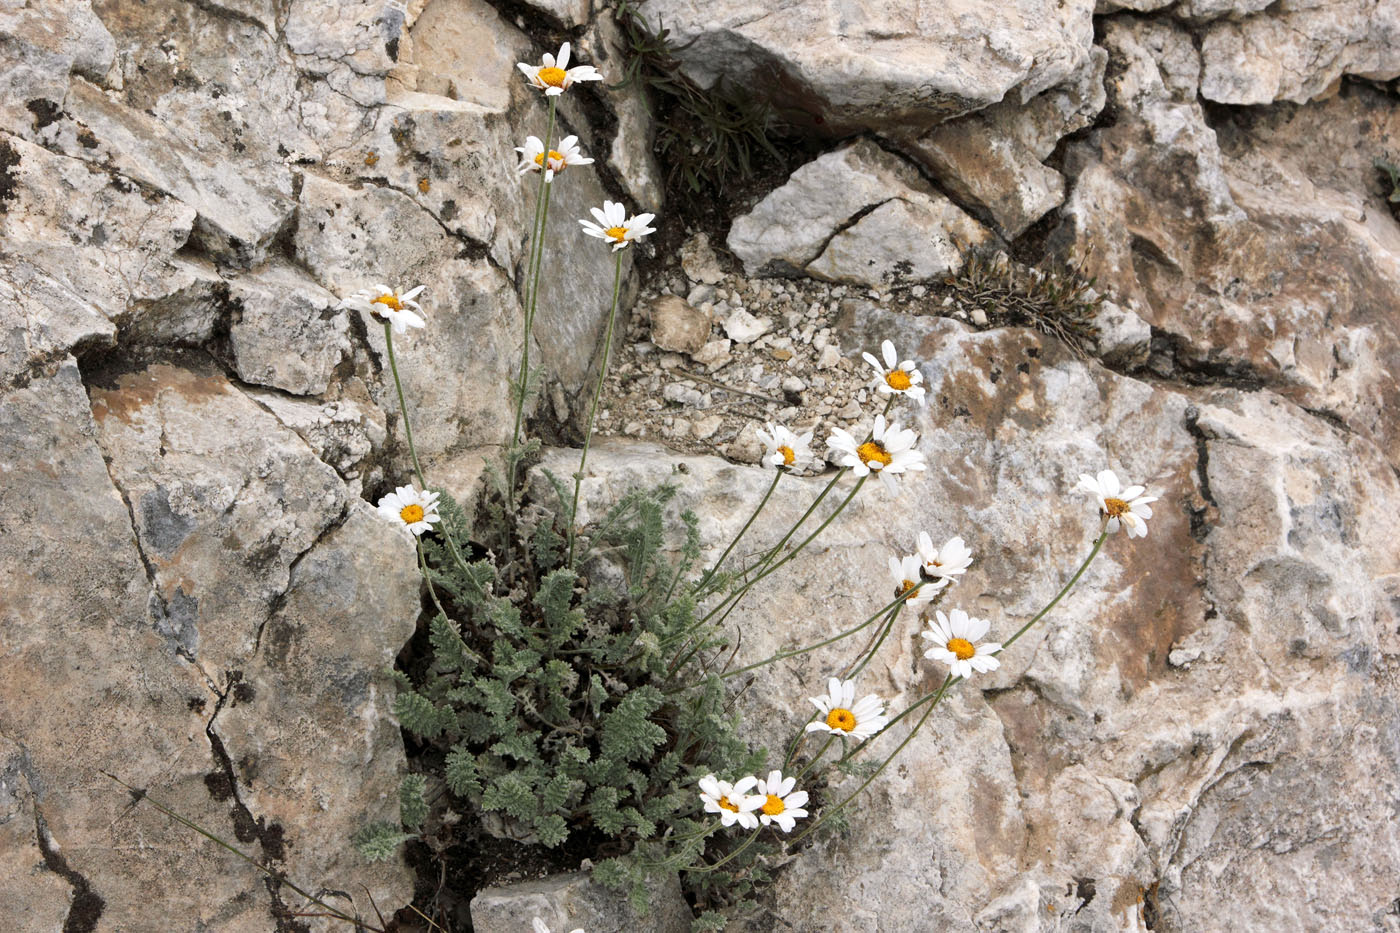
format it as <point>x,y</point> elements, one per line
<point>781,804</point>
<point>554,76</point>
<point>889,451</point>
<point>1126,507</point>
<point>945,562</point>
<point>954,639</point>
<point>541,928</point>
<point>905,572</point>
<point>786,449</point>
<point>894,377</point>
<point>532,157</point>
<point>417,510</point>
<point>732,802</point>
<point>614,224</point>
<point>843,716</point>
<point>387,304</point>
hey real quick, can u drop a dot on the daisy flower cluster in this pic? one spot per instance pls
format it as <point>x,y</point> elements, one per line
<point>753,801</point>
<point>888,450</point>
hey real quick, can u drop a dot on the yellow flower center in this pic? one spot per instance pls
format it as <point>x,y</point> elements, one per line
<point>788,455</point>
<point>842,719</point>
<point>554,77</point>
<point>962,648</point>
<point>411,514</point>
<point>389,301</point>
<point>872,450</point>
<point>774,805</point>
<point>554,156</point>
<point>898,380</point>
<point>617,233</point>
<point>1115,507</point>
<point>725,804</point>
<point>905,587</point>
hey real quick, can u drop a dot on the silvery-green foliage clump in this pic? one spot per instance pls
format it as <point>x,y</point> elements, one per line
<point>551,696</point>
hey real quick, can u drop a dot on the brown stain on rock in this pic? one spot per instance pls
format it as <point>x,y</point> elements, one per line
<point>132,393</point>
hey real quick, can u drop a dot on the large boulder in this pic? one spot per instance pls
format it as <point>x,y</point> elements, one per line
<point>852,67</point>
<point>858,215</point>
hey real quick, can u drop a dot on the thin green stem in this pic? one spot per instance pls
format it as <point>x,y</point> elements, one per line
<point>532,280</point>
<point>403,406</point>
<point>815,758</point>
<point>797,549</point>
<point>715,866</point>
<point>782,655</point>
<point>1098,543</point>
<point>828,813</point>
<point>867,654</point>
<point>597,396</point>
<point>709,574</point>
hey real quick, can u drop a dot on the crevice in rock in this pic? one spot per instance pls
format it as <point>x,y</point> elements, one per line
<point>87,906</point>
<point>281,599</point>
<point>222,784</point>
<point>845,225</point>
<point>1200,518</point>
<point>226,12</point>
<point>1171,357</point>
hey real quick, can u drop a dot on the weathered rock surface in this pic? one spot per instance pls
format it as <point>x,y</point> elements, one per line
<point>1298,51</point>
<point>196,597</point>
<point>677,326</point>
<point>858,215</point>
<point>866,67</point>
<point>573,901</point>
<point>991,161</point>
<point>172,562</point>
<point>1260,247</point>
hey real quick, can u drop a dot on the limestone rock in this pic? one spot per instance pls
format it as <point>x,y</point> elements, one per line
<point>1299,51</point>
<point>286,331</point>
<point>838,217</point>
<point>207,471</point>
<point>994,172</point>
<point>569,901</point>
<point>1262,251</point>
<point>906,239</point>
<point>167,568</point>
<point>699,261</point>
<point>991,160</point>
<point>44,44</point>
<point>743,327</point>
<point>678,327</point>
<point>1124,339</point>
<point>342,433</point>
<point>85,253</point>
<point>237,213</point>
<point>791,226</point>
<point>887,65</point>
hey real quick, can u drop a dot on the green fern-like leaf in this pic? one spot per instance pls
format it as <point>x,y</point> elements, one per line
<point>463,776</point>
<point>379,842</point>
<point>413,808</point>
<point>514,793</point>
<point>421,716</point>
<point>628,734</point>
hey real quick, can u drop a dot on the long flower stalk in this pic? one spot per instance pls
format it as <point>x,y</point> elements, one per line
<point>403,406</point>
<point>702,583</point>
<point>532,289</point>
<point>597,396</point>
